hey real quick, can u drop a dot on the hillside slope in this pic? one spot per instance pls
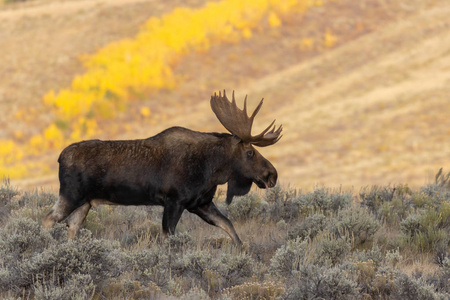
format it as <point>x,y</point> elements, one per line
<point>375,110</point>
<point>42,42</point>
<point>372,109</point>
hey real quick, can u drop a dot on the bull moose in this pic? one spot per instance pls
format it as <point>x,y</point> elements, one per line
<point>178,169</point>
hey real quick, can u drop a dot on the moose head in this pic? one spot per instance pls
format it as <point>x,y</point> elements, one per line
<point>249,165</point>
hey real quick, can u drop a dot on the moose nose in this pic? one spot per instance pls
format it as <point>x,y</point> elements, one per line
<point>272,179</point>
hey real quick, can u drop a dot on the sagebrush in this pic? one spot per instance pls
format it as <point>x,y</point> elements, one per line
<point>324,244</point>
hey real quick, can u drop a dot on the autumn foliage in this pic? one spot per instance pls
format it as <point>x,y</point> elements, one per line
<point>130,69</point>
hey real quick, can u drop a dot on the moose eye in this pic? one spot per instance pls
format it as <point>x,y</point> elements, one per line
<point>250,153</point>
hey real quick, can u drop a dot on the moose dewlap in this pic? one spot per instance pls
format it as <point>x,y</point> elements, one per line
<point>178,169</point>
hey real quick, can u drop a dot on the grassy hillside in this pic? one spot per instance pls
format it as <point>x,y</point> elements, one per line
<point>361,89</point>
<point>381,242</point>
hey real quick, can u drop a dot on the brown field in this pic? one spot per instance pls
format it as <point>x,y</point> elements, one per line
<point>372,109</point>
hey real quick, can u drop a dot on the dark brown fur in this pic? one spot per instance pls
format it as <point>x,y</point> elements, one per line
<point>177,168</point>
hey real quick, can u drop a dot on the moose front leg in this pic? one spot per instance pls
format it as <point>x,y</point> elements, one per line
<point>171,216</point>
<point>212,215</point>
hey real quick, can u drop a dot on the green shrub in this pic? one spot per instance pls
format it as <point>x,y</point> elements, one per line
<point>7,194</point>
<point>439,190</point>
<point>322,200</point>
<point>356,223</point>
<point>365,274</point>
<point>215,272</point>
<point>195,294</point>
<point>374,255</point>
<point>386,203</point>
<point>442,252</point>
<point>410,226</point>
<point>78,287</point>
<point>373,197</point>
<point>254,290</point>
<point>236,268</point>
<point>393,257</point>
<point>21,238</point>
<point>63,261</point>
<point>246,207</point>
<point>414,289</point>
<point>288,257</point>
<point>328,252</point>
<point>130,289</point>
<point>282,204</point>
<point>442,279</point>
<point>308,228</point>
<point>314,282</point>
<point>328,249</point>
<point>179,241</point>
<point>195,263</point>
<point>153,264</point>
<point>202,269</point>
<point>278,194</point>
<point>427,230</point>
<point>129,223</point>
<point>173,288</point>
<point>429,239</point>
<point>147,230</point>
<point>383,284</point>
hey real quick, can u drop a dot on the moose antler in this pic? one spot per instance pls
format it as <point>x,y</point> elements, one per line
<point>237,122</point>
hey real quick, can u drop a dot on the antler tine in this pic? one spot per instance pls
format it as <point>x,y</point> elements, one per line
<point>257,109</point>
<point>265,130</point>
<point>237,122</point>
<point>245,105</point>
<point>232,118</point>
<point>269,138</point>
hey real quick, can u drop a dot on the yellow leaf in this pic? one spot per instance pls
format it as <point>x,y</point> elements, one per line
<point>145,111</point>
<point>274,20</point>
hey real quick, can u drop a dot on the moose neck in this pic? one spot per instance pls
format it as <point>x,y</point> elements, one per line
<point>221,160</point>
<point>223,170</point>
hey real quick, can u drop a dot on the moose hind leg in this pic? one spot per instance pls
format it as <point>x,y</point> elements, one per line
<point>76,219</point>
<point>212,215</point>
<point>61,210</point>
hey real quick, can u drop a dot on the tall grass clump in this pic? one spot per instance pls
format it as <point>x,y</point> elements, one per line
<point>7,193</point>
<point>309,227</point>
<point>427,227</point>
<point>288,258</point>
<point>246,207</point>
<point>440,189</point>
<point>314,282</point>
<point>355,223</point>
<point>387,203</point>
<point>283,204</point>
<point>427,230</point>
<point>324,200</point>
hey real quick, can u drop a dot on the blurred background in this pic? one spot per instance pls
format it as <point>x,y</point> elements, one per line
<point>362,88</point>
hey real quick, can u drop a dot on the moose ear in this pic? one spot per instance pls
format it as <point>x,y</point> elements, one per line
<point>236,140</point>
<point>238,186</point>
